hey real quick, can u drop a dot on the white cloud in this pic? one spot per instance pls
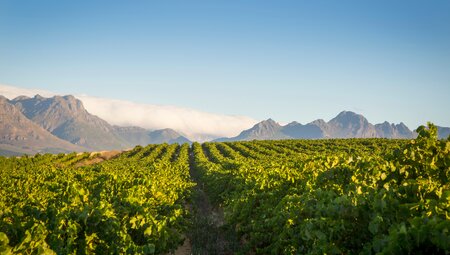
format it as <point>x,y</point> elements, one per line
<point>12,92</point>
<point>196,125</point>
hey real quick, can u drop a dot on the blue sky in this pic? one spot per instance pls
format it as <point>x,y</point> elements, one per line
<point>288,60</point>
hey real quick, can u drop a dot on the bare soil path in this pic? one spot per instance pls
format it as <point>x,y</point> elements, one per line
<point>207,234</point>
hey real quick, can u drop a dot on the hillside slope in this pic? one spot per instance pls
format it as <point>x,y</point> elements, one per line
<point>19,135</point>
<point>66,118</point>
<point>140,136</point>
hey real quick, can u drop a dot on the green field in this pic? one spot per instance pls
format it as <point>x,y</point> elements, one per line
<point>342,196</point>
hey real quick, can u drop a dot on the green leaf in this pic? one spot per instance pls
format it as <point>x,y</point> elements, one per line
<point>148,231</point>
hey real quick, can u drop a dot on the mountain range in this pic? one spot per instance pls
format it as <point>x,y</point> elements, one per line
<point>30,125</point>
<point>62,124</point>
<point>346,124</point>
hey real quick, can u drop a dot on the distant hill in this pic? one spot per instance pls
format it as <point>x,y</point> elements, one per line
<point>443,132</point>
<point>19,135</point>
<point>167,135</point>
<point>346,124</point>
<point>140,136</point>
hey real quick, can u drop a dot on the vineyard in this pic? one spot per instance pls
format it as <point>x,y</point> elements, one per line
<point>342,196</point>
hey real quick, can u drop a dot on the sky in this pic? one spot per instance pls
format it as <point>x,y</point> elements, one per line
<point>286,60</point>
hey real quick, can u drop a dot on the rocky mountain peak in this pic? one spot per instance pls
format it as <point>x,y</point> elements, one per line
<point>293,123</point>
<point>402,125</point>
<point>349,124</point>
<point>319,122</point>
<point>19,98</point>
<point>68,103</point>
<point>269,123</point>
<point>38,97</point>
<point>3,99</point>
<point>18,134</point>
<point>66,118</point>
<point>388,130</point>
<point>348,117</point>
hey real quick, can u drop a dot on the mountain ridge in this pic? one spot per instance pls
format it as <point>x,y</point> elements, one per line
<point>63,123</point>
<point>20,135</point>
<point>66,118</point>
<point>346,124</point>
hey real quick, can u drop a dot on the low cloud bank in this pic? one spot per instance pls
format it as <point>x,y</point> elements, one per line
<point>11,92</point>
<point>195,125</point>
